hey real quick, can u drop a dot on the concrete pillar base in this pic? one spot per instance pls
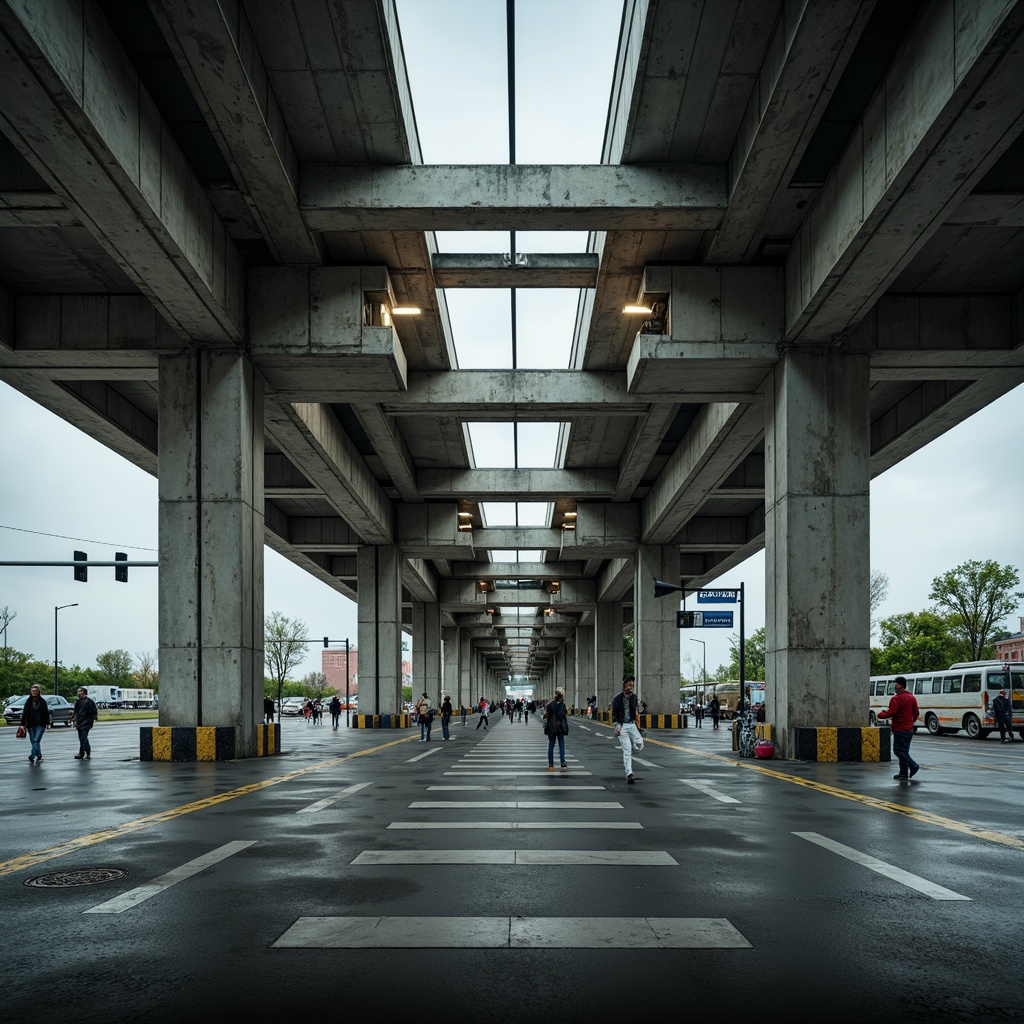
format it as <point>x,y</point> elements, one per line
<point>841,744</point>
<point>399,721</point>
<point>203,743</point>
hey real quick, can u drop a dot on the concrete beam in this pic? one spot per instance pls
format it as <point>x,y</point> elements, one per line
<point>389,446</point>
<point>35,210</point>
<point>221,63</point>
<point>463,596</point>
<point>989,210</point>
<point>519,570</point>
<point>515,484</point>
<point>314,441</point>
<point>325,534</point>
<point>420,580</point>
<point>718,439</point>
<point>522,197</point>
<point>804,60</point>
<point>496,270</point>
<point>74,106</point>
<point>430,531</point>
<point>949,106</point>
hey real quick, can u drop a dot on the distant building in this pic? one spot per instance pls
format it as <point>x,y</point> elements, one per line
<point>333,666</point>
<point>1012,648</point>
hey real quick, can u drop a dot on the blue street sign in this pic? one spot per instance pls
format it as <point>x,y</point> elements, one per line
<point>717,596</point>
<point>704,620</point>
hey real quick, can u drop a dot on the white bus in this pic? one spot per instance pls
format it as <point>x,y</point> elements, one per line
<point>956,698</point>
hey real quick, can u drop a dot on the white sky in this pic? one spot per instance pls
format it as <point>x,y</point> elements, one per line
<point>959,498</point>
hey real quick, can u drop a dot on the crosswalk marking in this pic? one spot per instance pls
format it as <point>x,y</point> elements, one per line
<point>471,788</point>
<point>575,858</point>
<point>512,933</point>
<point>935,891</point>
<point>537,773</point>
<point>522,805</point>
<point>704,786</point>
<point>132,898</point>
<point>506,825</point>
<point>321,804</point>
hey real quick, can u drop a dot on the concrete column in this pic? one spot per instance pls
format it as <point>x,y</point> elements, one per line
<point>656,636</point>
<point>608,643</point>
<point>211,544</point>
<point>817,470</point>
<point>450,666</point>
<point>466,676</point>
<point>584,664</point>
<point>426,650</point>
<point>378,571</point>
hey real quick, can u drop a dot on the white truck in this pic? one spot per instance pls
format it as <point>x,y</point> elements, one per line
<point>122,696</point>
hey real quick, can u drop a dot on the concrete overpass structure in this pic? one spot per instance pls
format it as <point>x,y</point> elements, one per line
<point>210,211</point>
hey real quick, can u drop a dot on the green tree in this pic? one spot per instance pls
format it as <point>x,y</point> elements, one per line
<point>916,642</point>
<point>316,685</point>
<point>284,646</point>
<point>977,595</point>
<point>145,670</point>
<point>12,668</point>
<point>116,667</point>
<point>878,591</point>
<point>754,656</point>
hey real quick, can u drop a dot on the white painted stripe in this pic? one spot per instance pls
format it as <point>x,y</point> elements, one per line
<point>505,788</point>
<point>646,764</point>
<point>506,825</point>
<point>931,889</point>
<point>419,757</point>
<point>706,788</point>
<point>514,933</point>
<point>321,804</point>
<point>480,773</point>
<point>523,805</point>
<point>574,858</point>
<point>132,898</point>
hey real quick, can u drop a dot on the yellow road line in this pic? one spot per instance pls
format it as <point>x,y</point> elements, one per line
<point>30,860</point>
<point>926,817</point>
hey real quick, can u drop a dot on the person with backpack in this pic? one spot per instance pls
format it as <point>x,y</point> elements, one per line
<point>556,725</point>
<point>425,717</point>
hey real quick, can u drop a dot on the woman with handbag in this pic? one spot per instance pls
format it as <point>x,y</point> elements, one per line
<point>35,717</point>
<point>556,725</point>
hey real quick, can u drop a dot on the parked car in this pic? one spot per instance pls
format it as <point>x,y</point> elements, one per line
<point>292,705</point>
<point>61,711</point>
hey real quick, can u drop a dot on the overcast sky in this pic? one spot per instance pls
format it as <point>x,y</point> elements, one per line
<point>957,499</point>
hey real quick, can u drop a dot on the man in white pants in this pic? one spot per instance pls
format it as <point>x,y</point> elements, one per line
<point>625,709</point>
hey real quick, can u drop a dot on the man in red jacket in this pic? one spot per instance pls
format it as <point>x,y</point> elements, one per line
<point>904,713</point>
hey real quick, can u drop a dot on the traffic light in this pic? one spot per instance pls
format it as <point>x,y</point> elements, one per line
<point>81,571</point>
<point>327,640</point>
<point>120,571</point>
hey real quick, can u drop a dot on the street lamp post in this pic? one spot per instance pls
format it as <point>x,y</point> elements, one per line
<point>56,670</point>
<point>704,673</point>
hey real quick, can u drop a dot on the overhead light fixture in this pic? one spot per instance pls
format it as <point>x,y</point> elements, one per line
<point>568,526</point>
<point>465,515</point>
<point>632,308</point>
<point>570,515</point>
<point>481,585</point>
<point>409,310</point>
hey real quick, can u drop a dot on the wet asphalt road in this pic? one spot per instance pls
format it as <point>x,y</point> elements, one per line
<point>428,851</point>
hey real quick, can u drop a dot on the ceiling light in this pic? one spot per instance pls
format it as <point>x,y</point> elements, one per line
<point>412,311</point>
<point>570,515</point>
<point>465,515</point>
<point>645,310</point>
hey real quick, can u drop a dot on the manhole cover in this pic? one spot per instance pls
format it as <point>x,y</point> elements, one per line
<point>83,876</point>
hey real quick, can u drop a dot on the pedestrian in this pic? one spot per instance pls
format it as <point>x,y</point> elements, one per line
<point>35,717</point>
<point>698,714</point>
<point>268,710</point>
<point>463,709</point>
<point>716,710</point>
<point>307,711</point>
<point>84,715</point>
<point>904,712</point>
<point>530,706</point>
<point>424,716</point>
<point>335,709</point>
<point>625,709</point>
<point>446,716</point>
<point>1003,711</point>
<point>484,711</point>
<point>556,725</point>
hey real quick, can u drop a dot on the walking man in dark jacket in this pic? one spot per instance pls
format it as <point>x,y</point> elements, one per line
<point>84,715</point>
<point>904,713</point>
<point>625,718</point>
